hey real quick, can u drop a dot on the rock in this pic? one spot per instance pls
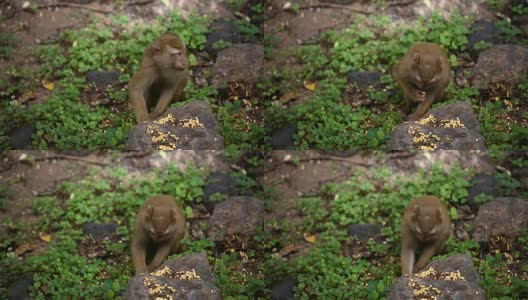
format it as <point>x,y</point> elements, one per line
<point>238,68</point>
<point>482,184</point>
<point>448,7</point>
<point>483,31</point>
<point>217,182</point>
<point>364,80</point>
<point>504,217</point>
<point>364,231</point>
<point>451,127</point>
<point>444,282</point>
<point>282,139</point>
<point>21,137</point>
<point>283,290</point>
<point>236,217</point>
<point>189,127</point>
<point>222,30</point>
<point>102,79</point>
<point>505,64</point>
<point>99,231</point>
<point>187,277</point>
<point>19,290</point>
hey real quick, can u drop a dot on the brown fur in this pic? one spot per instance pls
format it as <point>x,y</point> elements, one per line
<point>426,224</point>
<point>160,226</point>
<point>423,75</point>
<point>161,78</point>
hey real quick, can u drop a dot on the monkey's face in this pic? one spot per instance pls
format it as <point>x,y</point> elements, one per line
<point>427,224</point>
<point>171,56</point>
<point>427,71</point>
<point>159,224</point>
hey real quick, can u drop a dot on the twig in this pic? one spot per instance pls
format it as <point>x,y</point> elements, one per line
<point>75,5</point>
<point>71,157</point>
<point>139,2</point>
<point>339,6</point>
<point>402,3</point>
<point>353,160</point>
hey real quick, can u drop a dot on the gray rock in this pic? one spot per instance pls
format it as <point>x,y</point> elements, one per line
<point>437,286</point>
<point>217,182</point>
<point>283,290</point>
<point>19,290</point>
<point>240,64</point>
<point>364,231</point>
<point>282,139</point>
<point>363,80</point>
<point>22,137</point>
<point>483,31</point>
<point>482,184</point>
<point>187,277</point>
<point>505,64</point>
<point>504,217</point>
<point>99,230</point>
<point>102,79</point>
<point>222,30</point>
<point>236,217</point>
<point>437,135</point>
<point>175,135</point>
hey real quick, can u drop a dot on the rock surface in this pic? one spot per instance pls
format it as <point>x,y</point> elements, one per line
<point>364,80</point>
<point>22,137</point>
<point>236,217</point>
<point>19,290</point>
<point>102,79</point>
<point>364,231</point>
<point>220,183</point>
<point>482,185</point>
<point>504,217</point>
<point>223,30</point>
<point>188,127</point>
<point>450,127</point>
<point>482,31</point>
<point>282,138</point>
<point>188,277</point>
<point>238,68</point>
<point>451,278</point>
<point>501,64</point>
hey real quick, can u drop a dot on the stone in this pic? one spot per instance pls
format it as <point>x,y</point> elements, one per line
<point>237,216</point>
<point>238,68</point>
<point>449,127</point>
<point>222,30</point>
<point>482,31</point>
<point>19,290</point>
<point>283,290</point>
<point>22,137</point>
<point>501,64</point>
<point>364,231</point>
<point>188,127</point>
<point>482,184</point>
<point>217,182</point>
<point>188,277</point>
<point>451,278</point>
<point>504,217</point>
<point>102,79</point>
<point>364,80</point>
<point>282,139</point>
<point>99,230</point>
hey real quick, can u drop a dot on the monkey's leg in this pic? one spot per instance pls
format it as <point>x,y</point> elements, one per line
<point>162,253</point>
<point>139,257</point>
<point>164,101</point>
<point>428,252</point>
<point>137,101</point>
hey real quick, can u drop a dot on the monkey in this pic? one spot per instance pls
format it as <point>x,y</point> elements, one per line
<point>158,231</point>
<point>161,77</point>
<point>425,224</point>
<point>423,75</point>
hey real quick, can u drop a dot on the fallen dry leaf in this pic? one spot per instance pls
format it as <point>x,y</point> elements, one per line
<point>48,85</point>
<point>45,237</point>
<point>310,238</point>
<point>309,85</point>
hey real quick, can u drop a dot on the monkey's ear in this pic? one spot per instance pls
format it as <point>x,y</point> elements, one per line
<point>415,212</point>
<point>156,46</point>
<point>149,211</point>
<point>415,60</point>
<point>440,64</point>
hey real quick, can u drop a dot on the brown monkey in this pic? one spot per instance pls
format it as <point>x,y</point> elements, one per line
<point>423,74</point>
<point>161,77</point>
<point>159,228</point>
<point>425,224</point>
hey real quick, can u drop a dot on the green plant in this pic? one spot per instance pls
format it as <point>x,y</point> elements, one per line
<point>6,193</point>
<point>239,132</point>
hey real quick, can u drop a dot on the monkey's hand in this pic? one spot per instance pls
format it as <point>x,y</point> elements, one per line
<point>420,96</point>
<point>411,118</point>
<point>154,115</point>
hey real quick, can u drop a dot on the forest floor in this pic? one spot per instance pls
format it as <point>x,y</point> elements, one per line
<point>305,247</point>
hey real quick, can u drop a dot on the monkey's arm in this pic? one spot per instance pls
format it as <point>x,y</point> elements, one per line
<point>423,106</point>
<point>175,92</point>
<point>161,253</point>
<point>428,252</point>
<point>408,247</point>
<point>138,248</point>
<point>136,88</point>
